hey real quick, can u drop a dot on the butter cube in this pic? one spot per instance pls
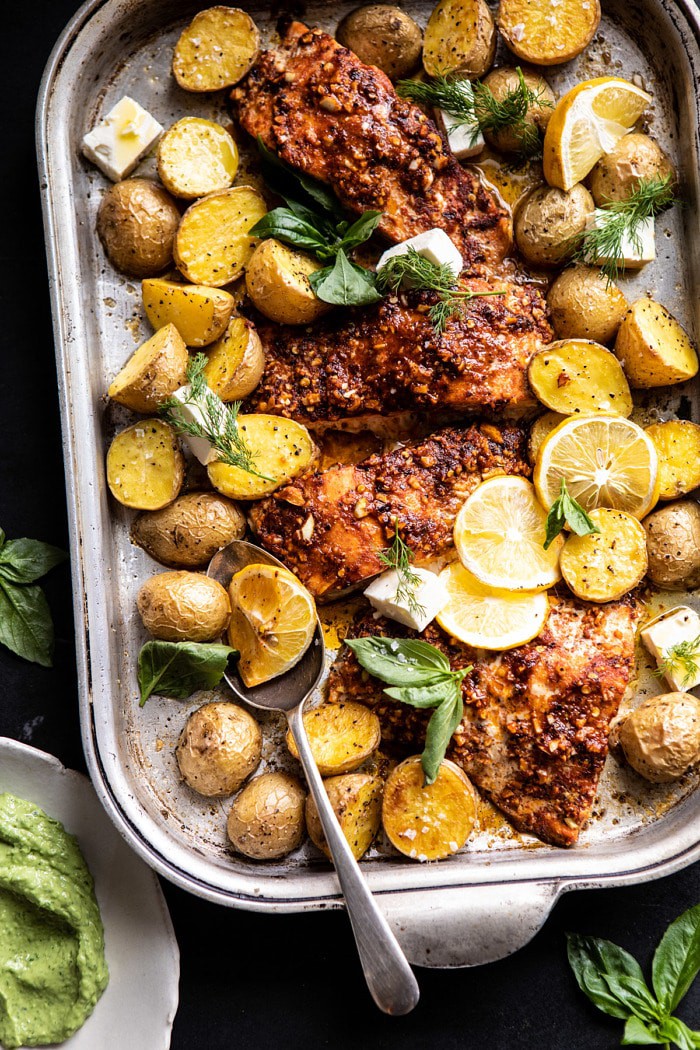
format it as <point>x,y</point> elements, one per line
<point>433,245</point>
<point>430,596</point>
<point>681,624</point>
<point>193,412</point>
<point>465,140</point>
<point>122,139</point>
<point>632,255</point>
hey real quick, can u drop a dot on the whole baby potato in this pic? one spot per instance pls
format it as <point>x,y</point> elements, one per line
<point>661,738</point>
<point>184,607</point>
<point>502,82</point>
<point>137,221</point>
<point>584,305</point>
<point>267,819</point>
<point>548,222</point>
<point>383,36</point>
<point>219,747</point>
<point>673,545</point>
<point>188,533</point>
<point>617,174</point>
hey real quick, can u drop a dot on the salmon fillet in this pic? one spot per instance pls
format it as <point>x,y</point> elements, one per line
<point>534,736</point>
<point>330,528</point>
<point>388,358</point>
<point>330,116</point>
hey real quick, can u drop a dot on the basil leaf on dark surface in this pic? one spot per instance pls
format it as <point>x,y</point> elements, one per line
<point>24,561</point>
<point>279,176</point>
<point>26,627</point>
<point>673,1030</point>
<point>634,993</point>
<point>443,723</point>
<point>591,958</point>
<point>285,226</point>
<point>639,1034</point>
<point>361,230</point>
<point>178,669</point>
<point>677,959</point>
<point>345,283</point>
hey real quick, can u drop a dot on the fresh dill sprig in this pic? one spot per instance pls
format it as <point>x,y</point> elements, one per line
<point>399,557</point>
<point>218,423</point>
<point>683,656</point>
<point>623,221</point>
<point>412,270</point>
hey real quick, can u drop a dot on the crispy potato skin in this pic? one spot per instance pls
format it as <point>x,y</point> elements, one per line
<point>213,243</point>
<point>145,467</point>
<point>661,738</point>
<point>188,533</point>
<point>184,607</point>
<point>137,222</point>
<point>460,37</point>
<point>428,821</point>
<point>153,372</point>
<point>342,736</point>
<point>277,281</point>
<point>653,348</point>
<point>548,219</point>
<point>678,443</point>
<point>216,49</point>
<point>673,545</point>
<point>199,313</point>
<point>618,173</point>
<point>236,361</point>
<point>547,36</point>
<point>196,157</point>
<point>584,306</point>
<point>604,566</point>
<point>383,36</point>
<point>220,746</point>
<point>266,820</point>
<point>504,80</point>
<point>357,801</point>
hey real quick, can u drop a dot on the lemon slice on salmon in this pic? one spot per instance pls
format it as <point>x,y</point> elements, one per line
<point>485,618</point>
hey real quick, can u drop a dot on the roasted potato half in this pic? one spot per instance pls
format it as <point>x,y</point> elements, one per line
<point>357,801</point>
<point>153,372</point>
<point>342,736</point>
<point>196,157</point>
<point>502,82</point>
<point>604,565</point>
<point>678,445</point>
<point>460,38</point>
<point>618,173</point>
<point>216,49</point>
<point>383,36</point>
<point>548,35</point>
<point>280,448</point>
<point>137,222</point>
<point>548,222</point>
<point>578,376</point>
<point>184,607</point>
<point>428,821</point>
<point>145,467</point>
<point>188,533</point>
<point>267,819</point>
<point>220,746</point>
<point>200,314</point>
<point>277,280</point>
<point>213,242</point>
<point>661,738</point>
<point>236,361</point>
<point>653,348</point>
<point>584,305</point>
<point>673,545</point>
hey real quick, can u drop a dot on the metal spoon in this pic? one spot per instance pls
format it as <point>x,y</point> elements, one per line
<point>389,977</point>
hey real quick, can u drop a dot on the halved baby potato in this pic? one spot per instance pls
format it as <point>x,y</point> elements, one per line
<point>280,449</point>
<point>145,467</point>
<point>678,444</point>
<point>604,565</point>
<point>213,242</point>
<point>277,280</point>
<point>200,314</point>
<point>342,736</point>
<point>236,361</point>
<point>216,49</point>
<point>653,348</point>
<point>197,157</point>
<point>357,801</point>
<point>153,372</point>
<point>428,821</point>
<point>547,34</point>
<point>460,38</point>
<point>577,377</point>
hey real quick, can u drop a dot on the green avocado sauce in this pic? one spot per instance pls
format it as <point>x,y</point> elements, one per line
<point>52,961</point>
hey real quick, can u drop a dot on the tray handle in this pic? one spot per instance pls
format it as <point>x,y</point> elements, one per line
<point>468,925</point>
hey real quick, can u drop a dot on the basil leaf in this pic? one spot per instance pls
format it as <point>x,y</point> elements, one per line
<point>673,1030</point>
<point>24,561</point>
<point>361,230</point>
<point>576,517</point>
<point>400,661</point>
<point>2,539</point>
<point>26,627</point>
<point>441,726</point>
<point>556,520</point>
<point>635,994</point>
<point>677,959</point>
<point>289,228</point>
<point>422,696</point>
<point>345,283</point>
<point>178,669</point>
<point>278,174</point>
<point>639,1034</point>
<point>592,959</point>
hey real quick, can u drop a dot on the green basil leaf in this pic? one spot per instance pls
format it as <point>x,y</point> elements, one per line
<point>314,218</point>
<point>345,283</point>
<point>639,1034</point>
<point>677,959</point>
<point>576,517</point>
<point>443,723</point>
<point>634,993</point>
<point>2,539</point>
<point>360,231</point>
<point>24,561</point>
<point>26,627</point>
<point>400,661</point>
<point>556,519</point>
<point>178,669</point>
<point>672,1030</point>
<point>285,226</point>
<point>278,175</point>
<point>591,959</point>
<point>423,696</point>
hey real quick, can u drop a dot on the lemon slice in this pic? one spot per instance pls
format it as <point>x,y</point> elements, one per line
<point>606,461</point>
<point>273,618</point>
<point>486,618</point>
<point>499,535</point>
<point>587,122</point>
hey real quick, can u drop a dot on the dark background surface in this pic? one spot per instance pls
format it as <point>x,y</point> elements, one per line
<point>248,980</point>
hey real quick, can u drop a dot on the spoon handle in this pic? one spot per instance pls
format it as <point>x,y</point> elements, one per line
<point>390,979</point>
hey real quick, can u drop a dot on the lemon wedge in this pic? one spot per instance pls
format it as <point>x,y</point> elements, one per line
<point>499,535</point>
<point>606,461</point>
<point>485,618</point>
<point>588,121</point>
<point>273,618</point>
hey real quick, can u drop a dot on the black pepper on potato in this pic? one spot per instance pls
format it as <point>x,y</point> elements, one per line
<point>184,607</point>
<point>266,820</point>
<point>384,36</point>
<point>137,222</point>
<point>188,533</point>
<point>220,746</point>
